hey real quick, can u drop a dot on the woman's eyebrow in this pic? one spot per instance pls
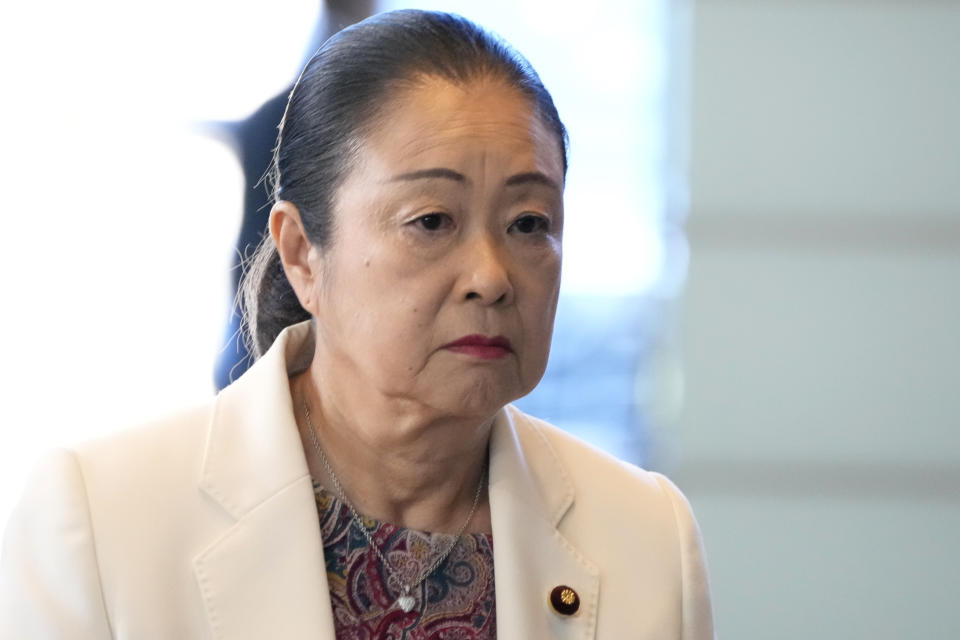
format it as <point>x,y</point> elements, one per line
<point>532,177</point>
<point>425,174</point>
<point>529,177</point>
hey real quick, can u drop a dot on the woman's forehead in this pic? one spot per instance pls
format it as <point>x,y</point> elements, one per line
<point>435,119</point>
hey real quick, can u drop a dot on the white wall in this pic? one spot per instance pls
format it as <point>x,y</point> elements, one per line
<point>820,440</point>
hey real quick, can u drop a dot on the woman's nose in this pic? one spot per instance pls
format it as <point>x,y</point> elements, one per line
<point>486,273</point>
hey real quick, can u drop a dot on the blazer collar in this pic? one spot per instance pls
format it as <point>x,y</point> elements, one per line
<point>253,448</point>
<point>265,575</point>
<point>530,495</point>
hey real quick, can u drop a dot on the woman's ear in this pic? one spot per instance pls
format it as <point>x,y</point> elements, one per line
<point>297,254</point>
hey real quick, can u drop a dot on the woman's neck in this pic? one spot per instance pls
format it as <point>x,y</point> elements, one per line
<point>395,461</point>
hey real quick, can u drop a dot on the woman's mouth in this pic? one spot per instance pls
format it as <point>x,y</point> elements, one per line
<point>479,346</point>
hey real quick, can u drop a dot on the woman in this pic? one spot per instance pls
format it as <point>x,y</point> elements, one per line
<point>404,296</point>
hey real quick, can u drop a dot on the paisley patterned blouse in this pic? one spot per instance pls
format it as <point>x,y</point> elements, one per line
<point>456,602</point>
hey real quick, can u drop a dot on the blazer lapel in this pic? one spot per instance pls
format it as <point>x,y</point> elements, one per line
<point>264,577</point>
<point>529,496</point>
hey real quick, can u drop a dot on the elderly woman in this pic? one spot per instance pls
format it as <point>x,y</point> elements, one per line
<point>367,478</point>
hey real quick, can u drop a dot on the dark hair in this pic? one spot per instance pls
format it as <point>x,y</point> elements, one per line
<point>337,99</point>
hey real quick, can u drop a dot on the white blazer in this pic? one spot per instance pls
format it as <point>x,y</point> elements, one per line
<point>205,526</point>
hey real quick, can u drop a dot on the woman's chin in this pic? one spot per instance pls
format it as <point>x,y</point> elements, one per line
<point>478,399</point>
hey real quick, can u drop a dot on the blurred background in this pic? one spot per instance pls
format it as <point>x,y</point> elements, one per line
<point>761,290</point>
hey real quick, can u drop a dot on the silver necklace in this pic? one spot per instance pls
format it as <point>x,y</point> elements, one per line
<point>405,600</point>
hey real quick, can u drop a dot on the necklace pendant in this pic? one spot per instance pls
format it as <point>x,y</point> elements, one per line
<point>406,602</point>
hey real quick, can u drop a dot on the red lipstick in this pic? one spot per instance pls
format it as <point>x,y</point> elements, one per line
<point>480,346</point>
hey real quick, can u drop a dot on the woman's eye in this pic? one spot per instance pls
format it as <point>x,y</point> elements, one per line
<point>531,224</point>
<point>433,221</point>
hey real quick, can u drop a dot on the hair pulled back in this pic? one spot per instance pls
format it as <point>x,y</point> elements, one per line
<point>338,98</point>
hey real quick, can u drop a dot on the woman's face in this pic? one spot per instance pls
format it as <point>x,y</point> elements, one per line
<point>440,283</point>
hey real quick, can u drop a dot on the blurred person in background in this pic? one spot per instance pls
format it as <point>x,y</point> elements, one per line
<point>253,140</point>
<point>367,476</point>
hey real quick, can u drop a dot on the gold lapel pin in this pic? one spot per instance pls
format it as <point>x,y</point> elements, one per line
<point>564,600</point>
